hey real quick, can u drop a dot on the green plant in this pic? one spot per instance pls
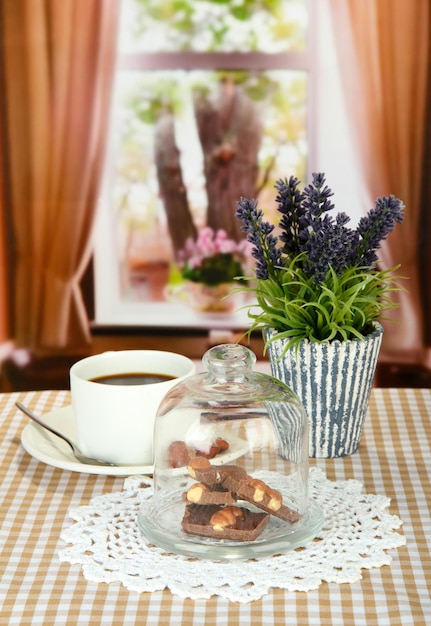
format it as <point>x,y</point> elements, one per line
<point>212,258</point>
<point>318,280</point>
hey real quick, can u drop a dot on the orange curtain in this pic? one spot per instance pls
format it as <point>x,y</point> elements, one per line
<point>58,59</point>
<point>425,218</point>
<point>383,56</point>
<point>4,300</point>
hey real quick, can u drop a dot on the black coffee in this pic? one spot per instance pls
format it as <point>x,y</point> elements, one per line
<point>132,378</point>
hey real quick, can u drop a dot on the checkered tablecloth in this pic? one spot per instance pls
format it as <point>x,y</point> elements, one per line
<point>394,460</point>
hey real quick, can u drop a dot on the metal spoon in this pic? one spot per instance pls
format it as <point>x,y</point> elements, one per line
<point>76,451</point>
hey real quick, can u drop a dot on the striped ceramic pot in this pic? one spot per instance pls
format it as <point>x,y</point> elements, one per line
<point>333,381</point>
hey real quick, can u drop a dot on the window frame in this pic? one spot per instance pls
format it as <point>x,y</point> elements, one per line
<point>110,310</point>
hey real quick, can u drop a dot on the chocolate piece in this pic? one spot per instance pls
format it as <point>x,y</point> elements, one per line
<point>180,454</point>
<point>243,487</point>
<point>202,494</point>
<point>210,475</point>
<point>196,465</point>
<point>219,445</point>
<point>222,444</point>
<point>261,495</point>
<point>227,517</point>
<point>235,523</point>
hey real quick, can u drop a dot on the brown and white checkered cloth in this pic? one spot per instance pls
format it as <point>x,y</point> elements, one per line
<point>394,459</point>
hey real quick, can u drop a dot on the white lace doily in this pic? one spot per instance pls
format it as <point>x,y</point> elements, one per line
<point>108,543</point>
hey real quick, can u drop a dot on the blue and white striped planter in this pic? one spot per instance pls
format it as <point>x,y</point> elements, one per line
<point>333,381</point>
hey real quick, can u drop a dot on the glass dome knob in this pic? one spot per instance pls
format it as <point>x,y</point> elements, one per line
<point>229,362</point>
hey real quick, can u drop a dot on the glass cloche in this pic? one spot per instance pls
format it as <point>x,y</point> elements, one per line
<point>230,464</point>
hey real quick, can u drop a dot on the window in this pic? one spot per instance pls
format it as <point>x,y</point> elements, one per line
<point>211,103</point>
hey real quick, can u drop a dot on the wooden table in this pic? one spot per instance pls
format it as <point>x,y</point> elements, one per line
<point>394,459</point>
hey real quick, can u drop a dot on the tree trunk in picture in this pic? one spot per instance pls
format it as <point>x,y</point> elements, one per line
<point>230,131</point>
<point>171,184</point>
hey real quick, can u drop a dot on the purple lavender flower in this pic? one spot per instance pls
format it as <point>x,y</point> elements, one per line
<point>306,227</point>
<point>259,233</point>
<point>311,236</point>
<point>330,245</point>
<point>294,222</point>
<point>316,196</point>
<point>375,227</point>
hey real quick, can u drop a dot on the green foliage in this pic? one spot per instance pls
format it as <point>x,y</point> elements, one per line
<point>153,98</point>
<point>342,307</point>
<point>185,21</point>
<point>214,270</point>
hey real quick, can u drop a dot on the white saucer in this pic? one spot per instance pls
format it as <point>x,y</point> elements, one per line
<point>52,450</point>
<point>46,447</point>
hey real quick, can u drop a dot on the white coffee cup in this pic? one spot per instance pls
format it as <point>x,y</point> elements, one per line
<point>115,422</point>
